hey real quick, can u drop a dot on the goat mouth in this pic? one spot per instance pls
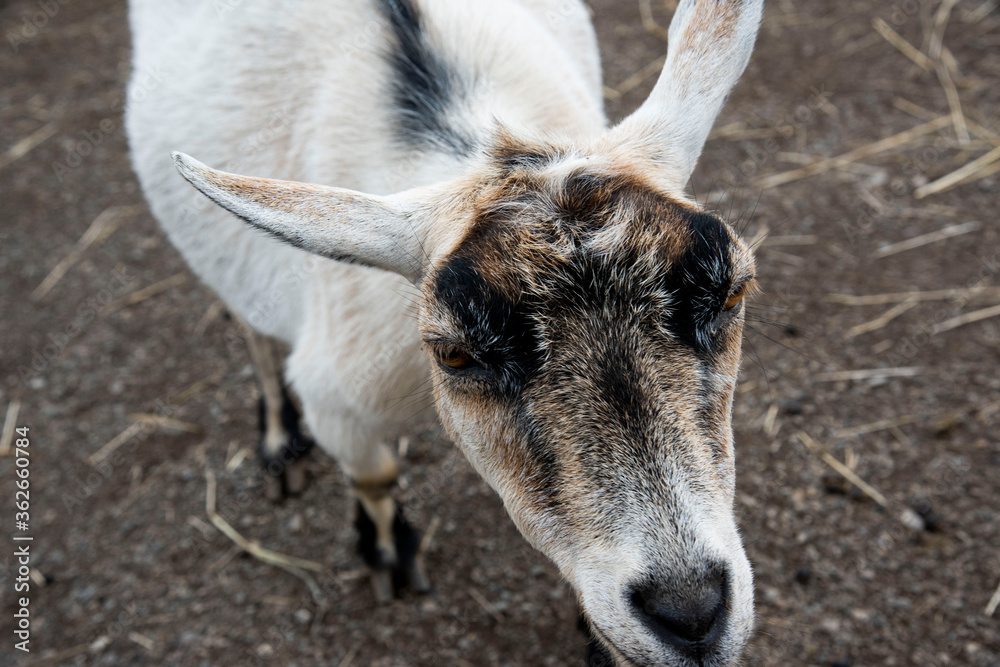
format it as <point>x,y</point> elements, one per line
<point>623,659</point>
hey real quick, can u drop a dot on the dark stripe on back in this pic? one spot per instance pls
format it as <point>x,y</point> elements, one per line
<point>424,87</point>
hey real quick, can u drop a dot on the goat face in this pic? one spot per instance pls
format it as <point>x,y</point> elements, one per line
<point>585,338</point>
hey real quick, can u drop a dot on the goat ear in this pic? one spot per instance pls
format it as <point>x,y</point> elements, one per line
<point>710,42</point>
<point>384,232</point>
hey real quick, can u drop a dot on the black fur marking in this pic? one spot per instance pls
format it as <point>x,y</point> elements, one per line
<point>297,446</point>
<point>703,278</point>
<point>405,537</point>
<point>424,87</point>
<point>618,388</point>
<point>504,339</point>
<point>367,538</point>
<point>499,330</point>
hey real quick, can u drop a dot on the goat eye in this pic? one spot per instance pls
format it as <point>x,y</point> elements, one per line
<point>735,298</point>
<point>453,357</point>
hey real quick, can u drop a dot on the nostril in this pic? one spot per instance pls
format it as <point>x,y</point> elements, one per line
<point>690,619</point>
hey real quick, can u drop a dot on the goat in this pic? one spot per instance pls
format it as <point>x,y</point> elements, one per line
<point>582,317</point>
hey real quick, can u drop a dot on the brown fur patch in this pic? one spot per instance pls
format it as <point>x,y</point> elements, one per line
<point>532,211</point>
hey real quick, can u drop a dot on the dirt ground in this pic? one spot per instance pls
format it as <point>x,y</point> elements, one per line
<point>129,571</point>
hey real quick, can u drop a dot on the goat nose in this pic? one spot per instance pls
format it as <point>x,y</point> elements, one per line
<point>691,620</point>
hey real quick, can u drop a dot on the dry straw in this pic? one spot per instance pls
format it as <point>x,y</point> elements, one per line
<point>970,171</point>
<point>9,424</point>
<point>145,293</point>
<point>882,320</point>
<point>103,226</point>
<point>26,145</point>
<point>873,427</point>
<point>846,472</point>
<point>929,295</point>
<point>994,602</point>
<point>824,165</point>
<point>905,515</point>
<point>869,373</point>
<point>966,318</point>
<point>291,564</point>
<point>925,239</point>
<point>904,47</point>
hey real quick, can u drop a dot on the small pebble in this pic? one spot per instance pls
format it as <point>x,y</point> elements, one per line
<point>831,625</point>
<point>912,520</point>
<point>86,595</point>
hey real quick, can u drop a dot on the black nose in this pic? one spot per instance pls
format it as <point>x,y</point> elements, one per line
<point>690,617</point>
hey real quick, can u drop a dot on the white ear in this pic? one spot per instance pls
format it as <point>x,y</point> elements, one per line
<point>710,42</point>
<point>384,232</point>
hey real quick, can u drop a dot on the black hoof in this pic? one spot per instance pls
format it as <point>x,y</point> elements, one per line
<point>391,573</point>
<point>284,469</point>
<point>283,480</point>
